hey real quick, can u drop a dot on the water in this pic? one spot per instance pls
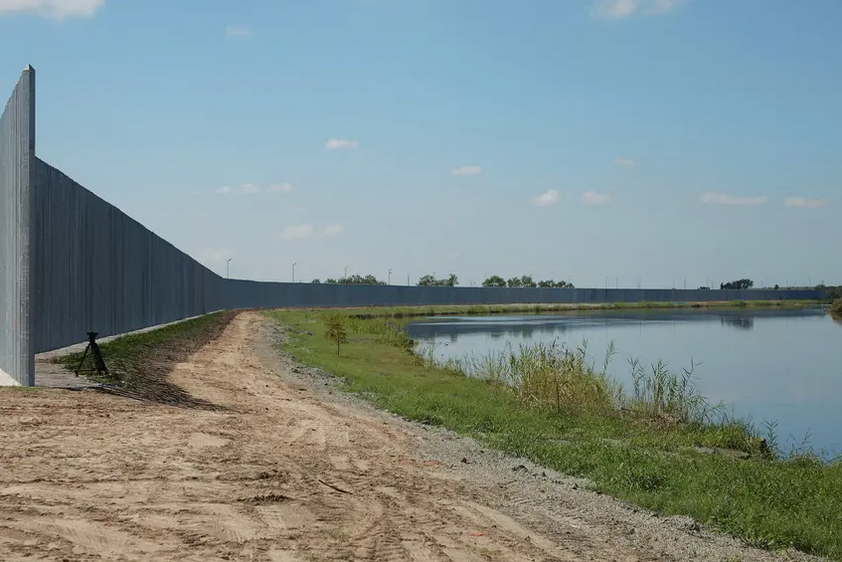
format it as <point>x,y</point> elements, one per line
<point>762,365</point>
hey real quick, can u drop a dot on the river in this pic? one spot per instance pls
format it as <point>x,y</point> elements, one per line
<point>782,366</point>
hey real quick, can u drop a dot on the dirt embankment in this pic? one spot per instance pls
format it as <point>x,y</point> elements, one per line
<point>284,469</point>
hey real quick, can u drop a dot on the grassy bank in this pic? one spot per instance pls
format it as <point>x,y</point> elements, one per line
<point>138,364</point>
<point>658,445</point>
<point>491,309</point>
<point>836,309</point>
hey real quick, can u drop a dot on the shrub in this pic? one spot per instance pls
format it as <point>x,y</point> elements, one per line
<point>335,330</point>
<point>836,309</point>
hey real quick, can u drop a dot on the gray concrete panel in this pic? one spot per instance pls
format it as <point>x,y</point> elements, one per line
<point>17,154</point>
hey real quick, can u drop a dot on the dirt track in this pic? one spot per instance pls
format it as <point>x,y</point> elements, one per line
<point>277,474</point>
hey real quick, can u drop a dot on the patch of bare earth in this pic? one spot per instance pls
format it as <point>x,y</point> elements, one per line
<point>278,471</point>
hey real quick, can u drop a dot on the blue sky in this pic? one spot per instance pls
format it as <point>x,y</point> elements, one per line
<point>646,141</point>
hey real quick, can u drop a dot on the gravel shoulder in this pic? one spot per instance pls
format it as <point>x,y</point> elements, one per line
<point>285,467</point>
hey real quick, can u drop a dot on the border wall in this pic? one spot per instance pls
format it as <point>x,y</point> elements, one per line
<point>73,263</point>
<point>17,156</point>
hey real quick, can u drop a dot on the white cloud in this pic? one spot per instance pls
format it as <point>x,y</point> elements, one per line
<point>335,144</point>
<point>238,31</point>
<point>334,230</point>
<point>52,8</point>
<point>280,188</point>
<point>805,203</point>
<point>712,198</point>
<point>593,199</point>
<point>619,9</point>
<point>546,199</point>
<point>249,188</point>
<point>224,190</point>
<point>466,171</point>
<point>298,232</point>
<point>624,162</point>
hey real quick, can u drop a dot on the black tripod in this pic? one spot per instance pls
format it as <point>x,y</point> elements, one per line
<point>99,364</point>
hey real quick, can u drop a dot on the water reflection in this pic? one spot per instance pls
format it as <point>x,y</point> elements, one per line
<point>763,364</point>
<point>528,326</point>
<point>743,323</point>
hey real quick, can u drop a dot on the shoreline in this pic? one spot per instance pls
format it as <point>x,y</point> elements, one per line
<point>492,309</point>
<point>718,473</point>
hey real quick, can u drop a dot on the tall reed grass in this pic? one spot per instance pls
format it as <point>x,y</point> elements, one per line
<point>553,376</point>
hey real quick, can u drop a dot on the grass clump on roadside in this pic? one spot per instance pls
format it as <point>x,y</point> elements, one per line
<point>660,445</point>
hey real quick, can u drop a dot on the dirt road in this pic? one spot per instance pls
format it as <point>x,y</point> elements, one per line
<point>275,471</point>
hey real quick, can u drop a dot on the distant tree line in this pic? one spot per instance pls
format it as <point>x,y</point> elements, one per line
<point>353,280</point>
<point>431,281</point>
<point>738,284</point>
<point>524,281</point>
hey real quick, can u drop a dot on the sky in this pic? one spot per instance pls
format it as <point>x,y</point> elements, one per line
<point>607,142</point>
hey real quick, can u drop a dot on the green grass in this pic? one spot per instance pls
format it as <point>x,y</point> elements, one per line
<point>836,309</point>
<point>139,364</point>
<point>486,310</point>
<point>650,447</point>
<point>133,350</point>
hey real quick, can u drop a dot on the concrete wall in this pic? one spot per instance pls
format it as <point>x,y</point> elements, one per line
<point>17,154</point>
<point>97,269</point>
<point>73,263</point>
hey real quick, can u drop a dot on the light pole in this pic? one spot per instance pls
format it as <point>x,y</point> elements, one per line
<point>346,274</point>
<point>228,269</point>
<point>390,278</point>
<point>293,271</point>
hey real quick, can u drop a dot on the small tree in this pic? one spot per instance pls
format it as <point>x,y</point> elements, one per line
<point>336,330</point>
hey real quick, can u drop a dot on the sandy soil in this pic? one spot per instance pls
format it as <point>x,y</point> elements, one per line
<point>280,470</point>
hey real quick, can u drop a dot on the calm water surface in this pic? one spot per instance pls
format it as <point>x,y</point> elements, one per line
<point>775,365</point>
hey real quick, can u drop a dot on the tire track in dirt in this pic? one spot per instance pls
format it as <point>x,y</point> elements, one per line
<point>269,472</point>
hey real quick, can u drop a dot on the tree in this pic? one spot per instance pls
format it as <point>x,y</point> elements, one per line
<point>431,281</point>
<point>514,283</point>
<point>427,281</point>
<point>316,282</point>
<point>335,330</point>
<point>738,284</point>
<point>331,281</point>
<point>360,280</point>
<point>526,281</point>
<point>494,281</point>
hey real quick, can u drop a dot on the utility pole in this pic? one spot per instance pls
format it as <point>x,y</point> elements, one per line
<point>407,279</point>
<point>293,271</point>
<point>390,277</point>
<point>228,269</point>
<point>346,273</point>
